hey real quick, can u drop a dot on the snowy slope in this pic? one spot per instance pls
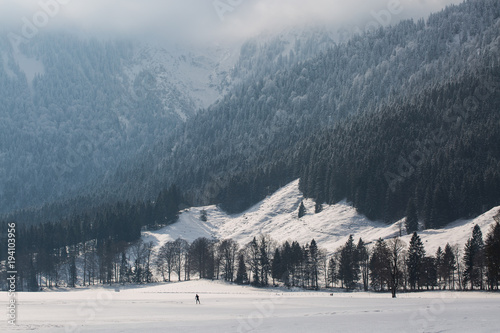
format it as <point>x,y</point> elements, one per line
<point>186,78</point>
<point>277,216</point>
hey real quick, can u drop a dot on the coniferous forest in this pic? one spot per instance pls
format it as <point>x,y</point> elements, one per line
<point>260,134</point>
<point>422,154</point>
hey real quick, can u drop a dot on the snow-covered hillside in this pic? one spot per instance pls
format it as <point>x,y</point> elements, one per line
<point>277,216</point>
<point>185,78</point>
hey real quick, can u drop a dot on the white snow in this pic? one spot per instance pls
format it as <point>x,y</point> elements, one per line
<point>31,67</point>
<point>170,307</point>
<point>230,308</point>
<point>277,216</point>
<point>185,74</point>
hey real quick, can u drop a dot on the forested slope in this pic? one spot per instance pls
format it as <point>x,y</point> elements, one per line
<point>246,139</point>
<point>74,108</point>
<point>436,156</point>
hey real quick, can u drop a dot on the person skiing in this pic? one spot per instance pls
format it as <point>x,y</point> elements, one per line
<point>197,299</point>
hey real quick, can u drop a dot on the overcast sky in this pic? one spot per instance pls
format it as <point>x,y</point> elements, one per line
<point>197,20</point>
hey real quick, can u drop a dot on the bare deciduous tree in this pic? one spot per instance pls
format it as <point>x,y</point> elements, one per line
<point>396,248</point>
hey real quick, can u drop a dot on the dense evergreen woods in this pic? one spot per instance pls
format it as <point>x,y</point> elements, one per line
<point>94,104</point>
<point>93,237</point>
<point>434,159</point>
<point>73,121</point>
<point>385,265</point>
<point>247,145</point>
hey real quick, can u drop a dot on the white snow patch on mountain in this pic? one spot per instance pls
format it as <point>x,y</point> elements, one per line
<point>30,66</point>
<point>186,78</point>
<point>277,216</point>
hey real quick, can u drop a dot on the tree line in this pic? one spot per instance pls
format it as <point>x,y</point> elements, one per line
<point>86,243</point>
<point>384,265</point>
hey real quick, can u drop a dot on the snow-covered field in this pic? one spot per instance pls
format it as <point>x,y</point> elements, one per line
<point>230,308</point>
<point>277,216</point>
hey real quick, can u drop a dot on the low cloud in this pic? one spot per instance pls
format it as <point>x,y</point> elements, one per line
<point>204,20</point>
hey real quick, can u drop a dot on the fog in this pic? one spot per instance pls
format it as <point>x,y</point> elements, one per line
<point>204,20</point>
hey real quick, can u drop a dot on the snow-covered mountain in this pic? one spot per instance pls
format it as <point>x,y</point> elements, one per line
<point>277,216</point>
<point>74,108</point>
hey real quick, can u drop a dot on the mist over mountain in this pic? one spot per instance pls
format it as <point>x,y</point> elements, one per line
<point>75,108</point>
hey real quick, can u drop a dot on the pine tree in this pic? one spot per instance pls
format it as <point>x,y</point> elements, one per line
<point>286,258</point>
<point>474,259</point>
<point>440,269</point>
<point>123,268</point>
<point>203,215</point>
<point>265,265</point>
<point>305,267</point>
<point>277,266</point>
<point>428,273</point>
<point>380,271</point>
<point>296,262</point>
<point>241,274</point>
<point>72,272</point>
<point>314,260</point>
<point>318,208</point>
<point>302,210</point>
<point>254,257</point>
<point>138,272</point>
<point>32,281</point>
<point>332,272</point>
<point>348,265</point>
<point>416,254</point>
